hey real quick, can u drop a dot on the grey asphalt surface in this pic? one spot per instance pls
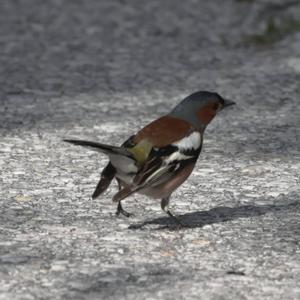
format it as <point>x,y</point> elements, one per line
<point>100,70</point>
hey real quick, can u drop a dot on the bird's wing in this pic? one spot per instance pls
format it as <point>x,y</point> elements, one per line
<point>132,156</point>
<point>164,163</point>
<point>158,134</point>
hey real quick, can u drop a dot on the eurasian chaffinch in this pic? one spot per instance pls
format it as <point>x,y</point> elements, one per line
<point>161,156</point>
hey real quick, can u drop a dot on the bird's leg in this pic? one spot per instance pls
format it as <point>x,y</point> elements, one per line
<point>120,209</point>
<point>164,206</point>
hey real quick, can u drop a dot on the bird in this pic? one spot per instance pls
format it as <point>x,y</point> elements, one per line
<point>162,155</point>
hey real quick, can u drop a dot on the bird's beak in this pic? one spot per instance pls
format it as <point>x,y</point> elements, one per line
<point>228,103</point>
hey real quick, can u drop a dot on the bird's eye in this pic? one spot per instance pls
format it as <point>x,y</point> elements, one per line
<point>215,106</point>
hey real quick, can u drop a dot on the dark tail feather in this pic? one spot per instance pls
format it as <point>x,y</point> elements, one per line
<point>107,149</point>
<point>107,176</point>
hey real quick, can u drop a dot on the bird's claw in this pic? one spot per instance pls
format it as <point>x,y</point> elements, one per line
<point>122,211</point>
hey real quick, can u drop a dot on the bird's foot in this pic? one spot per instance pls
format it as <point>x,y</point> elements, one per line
<point>122,211</point>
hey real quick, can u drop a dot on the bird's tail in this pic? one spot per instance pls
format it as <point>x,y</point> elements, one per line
<point>120,155</point>
<point>103,148</point>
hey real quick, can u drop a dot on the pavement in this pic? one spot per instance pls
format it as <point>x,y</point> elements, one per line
<point>100,70</point>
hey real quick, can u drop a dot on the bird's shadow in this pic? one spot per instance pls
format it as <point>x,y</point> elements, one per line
<point>215,215</point>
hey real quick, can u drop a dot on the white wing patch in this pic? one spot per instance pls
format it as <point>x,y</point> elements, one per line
<point>192,141</point>
<point>176,156</point>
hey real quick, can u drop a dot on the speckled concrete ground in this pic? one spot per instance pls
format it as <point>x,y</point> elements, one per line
<point>101,70</point>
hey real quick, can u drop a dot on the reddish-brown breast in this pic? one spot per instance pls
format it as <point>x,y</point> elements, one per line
<point>164,131</point>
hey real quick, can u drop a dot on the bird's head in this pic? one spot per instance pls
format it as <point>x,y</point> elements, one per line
<point>200,108</point>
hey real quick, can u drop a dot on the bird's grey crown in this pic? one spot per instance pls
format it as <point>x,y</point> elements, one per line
<point>190,105</point>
